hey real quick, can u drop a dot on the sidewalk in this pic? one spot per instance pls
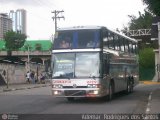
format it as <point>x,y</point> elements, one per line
<point>23,86</point>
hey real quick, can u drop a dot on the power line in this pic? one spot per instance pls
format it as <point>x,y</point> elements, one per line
<point>56,16</point>
<point>44,4</point>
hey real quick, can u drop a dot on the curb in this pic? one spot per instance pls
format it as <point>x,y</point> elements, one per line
<point>149,82</point>
<point>23,88</point>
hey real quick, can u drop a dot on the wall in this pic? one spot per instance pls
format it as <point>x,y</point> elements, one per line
<point>16,73</point>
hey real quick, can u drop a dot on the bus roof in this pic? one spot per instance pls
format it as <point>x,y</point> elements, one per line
<point>96,27</point>
<point>79,28</point>
<point>124,36</point>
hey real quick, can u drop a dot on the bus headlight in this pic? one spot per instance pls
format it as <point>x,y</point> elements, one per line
<point>57,92</point>
<point>135,76</point>
<point>57,86</point>
<point>93,92</point>
<point>89,86</point>
<point>93,85</point>
<point>121,76</point>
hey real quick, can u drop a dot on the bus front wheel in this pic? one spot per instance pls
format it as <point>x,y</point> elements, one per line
<point>130,86</point>
<point>110,95</point>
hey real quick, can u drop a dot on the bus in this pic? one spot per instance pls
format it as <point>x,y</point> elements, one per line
<point>93,61</point>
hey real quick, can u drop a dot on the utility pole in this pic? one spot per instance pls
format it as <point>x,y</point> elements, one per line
<point>56,16</point>
<point>28,67</point>
<point>158,51</point>
<point>155,35</point>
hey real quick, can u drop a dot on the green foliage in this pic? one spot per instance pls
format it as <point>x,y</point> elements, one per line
<point>146,73</point>
<point>14,40</point>
<point>147,58</point>
<point>144,21</point>
<point>38,47</point>
<point>27,47</point>
<point>153,6</point>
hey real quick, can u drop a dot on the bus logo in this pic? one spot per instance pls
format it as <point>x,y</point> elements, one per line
<point>74,85</point>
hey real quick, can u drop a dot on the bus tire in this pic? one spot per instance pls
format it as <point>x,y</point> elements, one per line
<point>110,96</point>
<point>130,86</point>
<point>127,91</point>
<point>70,99</point>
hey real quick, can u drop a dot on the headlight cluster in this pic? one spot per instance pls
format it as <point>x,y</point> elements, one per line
<point>93,92</point>
<point>56,92</point>
<point>93,85</point>
<point>58,86</point>
<point>135,76</point>
<point>121,76</point>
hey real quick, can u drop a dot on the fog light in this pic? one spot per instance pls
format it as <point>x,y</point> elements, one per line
<point>55,92</point>
<point>95,92</point>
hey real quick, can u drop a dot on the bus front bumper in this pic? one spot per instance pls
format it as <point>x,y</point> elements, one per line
<point>77,93</point>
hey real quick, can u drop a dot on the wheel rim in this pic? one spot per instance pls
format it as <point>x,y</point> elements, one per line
<point>128,89</point>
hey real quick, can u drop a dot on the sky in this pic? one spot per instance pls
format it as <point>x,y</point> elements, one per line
<point>40,25</point>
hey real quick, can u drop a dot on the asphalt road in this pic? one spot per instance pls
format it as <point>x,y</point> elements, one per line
<point>144,100</point>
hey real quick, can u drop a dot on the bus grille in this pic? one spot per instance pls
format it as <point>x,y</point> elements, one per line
<point>76,87</point>
<point>75,92</point>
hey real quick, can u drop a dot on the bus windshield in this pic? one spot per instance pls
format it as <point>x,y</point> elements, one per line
<point>73,39</point>
<point>74,65</point>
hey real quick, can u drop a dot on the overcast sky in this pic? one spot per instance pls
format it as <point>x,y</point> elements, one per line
<point>110,13</point>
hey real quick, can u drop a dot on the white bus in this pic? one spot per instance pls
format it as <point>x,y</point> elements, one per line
<point>93,62</point>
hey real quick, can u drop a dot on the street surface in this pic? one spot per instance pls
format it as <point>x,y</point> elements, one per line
<point>144,100</point>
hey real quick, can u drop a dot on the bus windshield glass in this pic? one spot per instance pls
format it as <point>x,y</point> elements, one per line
<point>75,65</point>
<point>76,39</point>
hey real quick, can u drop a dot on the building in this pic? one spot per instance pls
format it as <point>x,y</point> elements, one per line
<point>5,24</point>
<point>19,20</point>
<point>38,59</point>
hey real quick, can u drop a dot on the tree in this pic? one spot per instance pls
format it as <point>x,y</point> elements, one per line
<point>147,58</point>
<point>144,21</point>
<point>27,47</point>
<point>146,64</point>
<point>153,6</point>
<point>14,40</point>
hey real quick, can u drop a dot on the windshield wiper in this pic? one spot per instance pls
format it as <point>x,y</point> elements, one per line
<point>92,76</point>
<point>61,76</point>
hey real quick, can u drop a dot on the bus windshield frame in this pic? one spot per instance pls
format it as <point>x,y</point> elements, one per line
<point>76,65</point>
